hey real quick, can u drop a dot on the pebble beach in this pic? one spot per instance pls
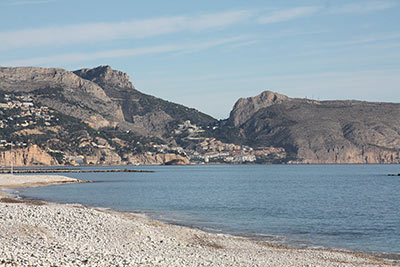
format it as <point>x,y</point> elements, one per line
<point>36,233</point>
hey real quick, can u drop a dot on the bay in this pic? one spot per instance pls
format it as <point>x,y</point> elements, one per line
<point>354,207</point>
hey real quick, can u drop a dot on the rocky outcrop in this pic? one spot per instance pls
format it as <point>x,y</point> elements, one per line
<point>108,156</point>
<point>27,79</point>
<point>32,155</point>
<point>244,108</point>
<point>105,75</point>
<point>157,159</point>
<point>321,131</point>
<point>348,155</point>
<point>104,156</point>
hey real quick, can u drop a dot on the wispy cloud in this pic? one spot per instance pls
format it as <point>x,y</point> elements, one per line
<point>27,2</point>
<point>385,46</point>
<point>86,33</point>
<point>365,40</point>
<point>363,7</point>
<point>242,44</point>
<point>83,57</point>
<point>288,14</point>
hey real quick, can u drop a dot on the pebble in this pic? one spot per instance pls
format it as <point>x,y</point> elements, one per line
<point>66,235</point>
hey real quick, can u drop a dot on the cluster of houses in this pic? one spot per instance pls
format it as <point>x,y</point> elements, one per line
<point>26,114</point>
<point>212,150</point>
<point>208,150</point>
<point>192,130</point>
<point>27,110</point>
<point>168,149</point>
<point>16,101</point>
<point>8,144</point>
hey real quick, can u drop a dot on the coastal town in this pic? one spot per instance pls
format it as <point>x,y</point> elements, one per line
<point>211,150</point>
<point>26,122</point>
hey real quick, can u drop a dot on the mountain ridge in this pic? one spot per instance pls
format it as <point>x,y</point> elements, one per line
<point>98,116</point>
<point>104,97</point>
<point>342,131</point>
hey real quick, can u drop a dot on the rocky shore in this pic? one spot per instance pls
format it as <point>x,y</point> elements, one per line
<point>48,234</point>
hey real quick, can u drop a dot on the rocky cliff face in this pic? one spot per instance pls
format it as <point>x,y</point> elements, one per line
<point>244,108</point>
<point>157,159</point>
<point>105,75</point>
<point>30,156</point>
<point>143,113</point>
<point>108,157</point>
<point>321,131</point>
<point>35,156</point>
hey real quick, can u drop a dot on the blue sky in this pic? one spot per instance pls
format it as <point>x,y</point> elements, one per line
<point>207,54</point>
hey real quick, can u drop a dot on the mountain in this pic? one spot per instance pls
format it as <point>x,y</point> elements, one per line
<point>63,91</point>
<point>101,97</point>
<point>89,115</point>
<point>318,131</point>
<point>144,114</point>
<point>52,116</point>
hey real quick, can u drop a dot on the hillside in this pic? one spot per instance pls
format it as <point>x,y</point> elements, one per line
<point>318,131</point>
<point>96,116</point>
<point>145,114</point>
<point>101,97</point>
<point>92,116</point>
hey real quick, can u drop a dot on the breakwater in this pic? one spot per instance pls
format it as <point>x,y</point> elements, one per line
<point>24,171</point>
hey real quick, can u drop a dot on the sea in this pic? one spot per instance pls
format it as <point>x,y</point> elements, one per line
<point>349,207</point>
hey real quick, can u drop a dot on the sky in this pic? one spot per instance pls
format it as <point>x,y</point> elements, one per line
<point>207,54</point>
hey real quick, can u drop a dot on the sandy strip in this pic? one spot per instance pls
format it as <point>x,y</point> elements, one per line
<point>32,180</point>
<point>14,181</point>
<point>48,234</point>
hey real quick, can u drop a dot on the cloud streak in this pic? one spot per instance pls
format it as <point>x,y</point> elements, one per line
<point>365,40</point>
<point>117,53</point>
<point>288,14</point>
<point>153,27</point>
<point>363,7</point>
<point>134,29</point>
<point>28,2</point>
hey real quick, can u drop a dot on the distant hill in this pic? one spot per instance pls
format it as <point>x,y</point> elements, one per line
<point>318,131</point>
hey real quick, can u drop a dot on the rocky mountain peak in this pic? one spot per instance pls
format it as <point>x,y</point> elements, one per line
<point>105,75</point>
<point>26,79</point>
<point>244,108</point>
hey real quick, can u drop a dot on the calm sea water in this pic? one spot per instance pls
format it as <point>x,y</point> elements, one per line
<point>354,207</point>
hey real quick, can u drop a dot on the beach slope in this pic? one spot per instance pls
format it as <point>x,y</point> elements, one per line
<point>49,234</point>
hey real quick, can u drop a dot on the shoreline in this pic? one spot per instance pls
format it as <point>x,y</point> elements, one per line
<point>262,238</point>
<point>179,245</point>
<point>18,181</point>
